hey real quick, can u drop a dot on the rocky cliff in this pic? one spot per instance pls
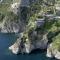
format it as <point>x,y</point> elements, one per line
<point>27,45</point>
<point>52,52</point>
<point>36,21</point>
<point>13,21</point>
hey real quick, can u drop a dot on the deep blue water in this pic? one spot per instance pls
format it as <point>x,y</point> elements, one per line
<point>7,39</point>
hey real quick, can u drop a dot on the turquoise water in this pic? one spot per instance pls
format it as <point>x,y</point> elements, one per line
<point>7,39</point>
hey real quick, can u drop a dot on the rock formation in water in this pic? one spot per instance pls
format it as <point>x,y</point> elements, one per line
<point>37,22</point>
<point>43,25</point>
<point>26,46</point>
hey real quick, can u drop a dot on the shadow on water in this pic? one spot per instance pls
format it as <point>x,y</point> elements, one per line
<point>36,51</point>
<point>37,54</point>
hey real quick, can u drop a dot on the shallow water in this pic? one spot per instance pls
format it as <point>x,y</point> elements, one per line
<point>7,39</point>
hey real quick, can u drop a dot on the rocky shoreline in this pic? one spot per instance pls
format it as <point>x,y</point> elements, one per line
<point>21,47</point>
<point>32,33</point>
<point>52,53</point>
<point>27,47</point>
<point>41,43</point>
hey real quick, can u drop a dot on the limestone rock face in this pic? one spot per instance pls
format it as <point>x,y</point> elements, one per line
<point>52,53</point>
<point>11,27</point>
<point>28,46</point>
<point>14,48</point>
<point>43,43</point>
<point>15,7</point>
<point>49,53</point>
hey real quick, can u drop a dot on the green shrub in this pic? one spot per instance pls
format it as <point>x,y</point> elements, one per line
<point>56,42</point>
